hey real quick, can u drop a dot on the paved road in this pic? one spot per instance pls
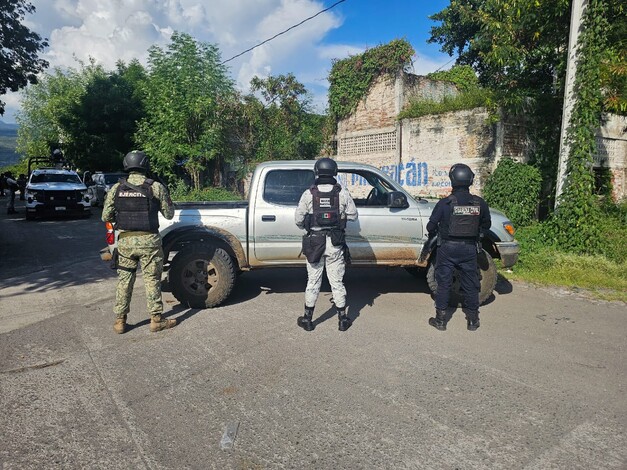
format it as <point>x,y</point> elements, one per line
<point>541,385</point>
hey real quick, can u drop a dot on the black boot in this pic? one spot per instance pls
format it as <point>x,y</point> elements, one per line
<point>344,323</point>
<point>472,323</point>
<point>305,321</point>
<point>439,322</point>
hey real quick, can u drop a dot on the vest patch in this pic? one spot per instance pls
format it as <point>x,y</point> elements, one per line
<point>124,193</point>
<point>466,210</point>
<point>325,202</point>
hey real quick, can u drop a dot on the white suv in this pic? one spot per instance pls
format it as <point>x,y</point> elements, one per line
<point>52,191</point>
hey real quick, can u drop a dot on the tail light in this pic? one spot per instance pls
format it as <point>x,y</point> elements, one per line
<point>110,233</point>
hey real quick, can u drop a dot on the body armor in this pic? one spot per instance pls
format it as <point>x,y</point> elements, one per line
<point>326,208</point>
<point>137,208</point>
<point>464,221</point>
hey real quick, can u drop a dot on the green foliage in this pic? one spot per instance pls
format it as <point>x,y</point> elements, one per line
<point>186,95</point>
<point>183,193</point>
<point>576,222</point>
<point>101,125</point>
<point>19,47</point>
<point>350,79</point>
<point>47,104</point>
<point>474,98</point>
<point>543,262</point>
<point>514,188</point>
<point>614,61</point>
<point>277,126</point>
<point>463,76</point>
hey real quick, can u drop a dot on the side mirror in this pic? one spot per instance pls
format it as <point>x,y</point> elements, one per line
<point>397,200</point>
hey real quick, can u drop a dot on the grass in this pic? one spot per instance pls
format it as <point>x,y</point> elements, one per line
<point>475,98</point>
<point>601,277</point>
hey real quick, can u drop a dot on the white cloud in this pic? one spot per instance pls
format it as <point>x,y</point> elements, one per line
<point>110,30</point>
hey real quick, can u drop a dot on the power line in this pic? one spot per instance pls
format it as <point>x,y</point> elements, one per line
<point>282,32</point>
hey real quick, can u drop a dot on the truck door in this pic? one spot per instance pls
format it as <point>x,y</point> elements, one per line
<point>380,235</point>
<point>275,236</point>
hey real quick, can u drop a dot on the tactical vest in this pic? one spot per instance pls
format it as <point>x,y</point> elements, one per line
<point>326,207</point>
<point>464,221</point>
<point>137,209</point>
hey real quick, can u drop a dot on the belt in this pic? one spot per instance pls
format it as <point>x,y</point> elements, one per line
<point>134,234</point>
<point>465,242</point>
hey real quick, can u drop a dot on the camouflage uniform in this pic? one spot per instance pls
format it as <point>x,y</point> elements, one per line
<point>139,248</point>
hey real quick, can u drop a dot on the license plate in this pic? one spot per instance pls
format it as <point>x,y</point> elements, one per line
<point>59,208</point>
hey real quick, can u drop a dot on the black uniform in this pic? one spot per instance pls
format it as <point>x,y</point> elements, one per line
<point>459,220</point>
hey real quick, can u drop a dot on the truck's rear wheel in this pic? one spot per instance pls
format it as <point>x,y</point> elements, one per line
<point>487,270</point>
<point>202,276</point>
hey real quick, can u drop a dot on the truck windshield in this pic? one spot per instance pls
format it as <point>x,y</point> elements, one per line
<point>55,178</point>
<point>112,179</point>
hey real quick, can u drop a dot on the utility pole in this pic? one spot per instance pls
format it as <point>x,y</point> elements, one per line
<point>578,8</point>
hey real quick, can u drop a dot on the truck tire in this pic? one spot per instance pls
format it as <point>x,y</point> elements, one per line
<point>488,280</point>
<point>202,276</point>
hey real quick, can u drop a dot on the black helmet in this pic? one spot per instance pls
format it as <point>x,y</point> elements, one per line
<point>461,175</point>
<point>325,167</point>
<point>136,160</point>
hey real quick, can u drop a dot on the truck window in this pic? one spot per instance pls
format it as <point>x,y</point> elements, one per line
<point>366,188</point>
<point>285,187</point>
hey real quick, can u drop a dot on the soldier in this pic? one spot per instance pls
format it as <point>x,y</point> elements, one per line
<point>13,187</point>
<point>460,221</point>
<point>323,211</point>
<point>133,205</point>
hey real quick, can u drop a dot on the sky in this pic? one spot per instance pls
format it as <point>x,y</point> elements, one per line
<point>110,30</point>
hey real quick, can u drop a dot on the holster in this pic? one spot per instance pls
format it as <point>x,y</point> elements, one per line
<point>314,245</point>
<point>115,258</point>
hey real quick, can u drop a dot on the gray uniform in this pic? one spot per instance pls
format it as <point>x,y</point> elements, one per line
<point>333,257</point>
<point>139,248</point>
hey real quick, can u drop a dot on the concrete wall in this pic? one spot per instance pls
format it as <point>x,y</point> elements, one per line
<point>612,152</point>
<point>419,152</point>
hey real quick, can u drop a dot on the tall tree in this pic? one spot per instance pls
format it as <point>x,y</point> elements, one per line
<point>48,105</point>
<point>186,95</point>
<point>19,48</point>
<point>102,123</point>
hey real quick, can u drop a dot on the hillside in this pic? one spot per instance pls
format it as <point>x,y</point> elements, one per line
<point>8,138</point>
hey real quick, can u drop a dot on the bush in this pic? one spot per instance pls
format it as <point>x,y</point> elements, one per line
<point>183,193</point>
<point>474,98</point>
<point>514,188</point>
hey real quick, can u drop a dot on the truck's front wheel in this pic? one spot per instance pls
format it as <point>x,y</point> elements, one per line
<point>488,279</point>
<point>202,276</point>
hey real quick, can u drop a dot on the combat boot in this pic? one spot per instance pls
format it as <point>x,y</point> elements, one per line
<point>120,325</point>
<point>472,323</point>
<point>344,323</point>
<point>305,322</point>
<point>158,324</point>
<point>439,321</point>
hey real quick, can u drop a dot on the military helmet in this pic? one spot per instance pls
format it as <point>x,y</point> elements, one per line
<point>325,167</point>
<point>461,175</point>
<point>136,160</point>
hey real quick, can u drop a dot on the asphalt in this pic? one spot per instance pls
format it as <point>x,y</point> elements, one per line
<point>541,385</point>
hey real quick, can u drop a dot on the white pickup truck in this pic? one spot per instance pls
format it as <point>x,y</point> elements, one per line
<point>207,244</point>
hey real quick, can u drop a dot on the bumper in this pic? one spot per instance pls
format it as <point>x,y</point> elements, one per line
<point>508,252</point>
<point>50,210</point>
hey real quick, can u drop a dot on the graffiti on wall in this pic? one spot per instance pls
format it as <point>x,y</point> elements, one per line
<point>414,174</point>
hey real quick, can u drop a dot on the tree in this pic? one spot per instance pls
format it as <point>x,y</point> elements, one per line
<point>187,92</point>
<point>19,46</point>
<point>101,124</point>
<point>47,105</point>
<point>288,128</point>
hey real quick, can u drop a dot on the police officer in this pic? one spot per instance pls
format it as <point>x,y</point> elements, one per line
<point>133,205</point>
<point>323,211</point>
<point>460,221</point>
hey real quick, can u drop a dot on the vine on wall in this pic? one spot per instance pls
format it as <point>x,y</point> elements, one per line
<point>575,224</point>
<point>350,79</point>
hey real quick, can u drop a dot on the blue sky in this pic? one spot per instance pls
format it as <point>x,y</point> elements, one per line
<point>109,30</point>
